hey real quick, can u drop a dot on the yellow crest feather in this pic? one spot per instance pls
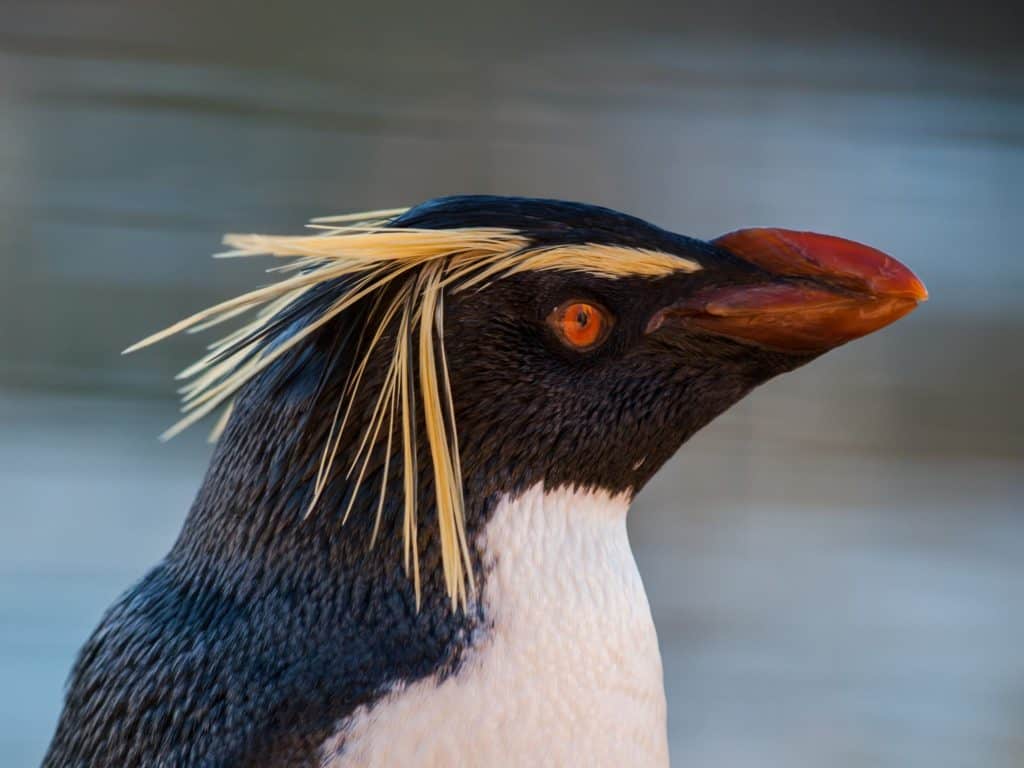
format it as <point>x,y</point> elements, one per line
<point>423,264</point>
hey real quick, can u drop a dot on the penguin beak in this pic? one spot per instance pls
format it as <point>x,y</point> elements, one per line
<point>817,292</point>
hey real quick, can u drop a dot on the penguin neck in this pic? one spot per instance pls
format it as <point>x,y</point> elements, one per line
<point>565,666</point>
<point>254,530</point>
<point>559,634</point>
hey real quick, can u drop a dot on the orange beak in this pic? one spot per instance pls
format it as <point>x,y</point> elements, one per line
<point>822,291</point>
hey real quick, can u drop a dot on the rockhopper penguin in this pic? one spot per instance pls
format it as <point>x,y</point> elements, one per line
<point>410,547</point>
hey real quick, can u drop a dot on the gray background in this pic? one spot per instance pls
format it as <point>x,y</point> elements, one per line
<point>835,565</point>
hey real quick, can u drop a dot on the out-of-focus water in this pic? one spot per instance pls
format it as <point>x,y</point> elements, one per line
<point>835,565</point>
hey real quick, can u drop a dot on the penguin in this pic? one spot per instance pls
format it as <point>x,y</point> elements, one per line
<point>410,546</point>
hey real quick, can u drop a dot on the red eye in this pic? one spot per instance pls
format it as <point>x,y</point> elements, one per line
<point>580,324</point>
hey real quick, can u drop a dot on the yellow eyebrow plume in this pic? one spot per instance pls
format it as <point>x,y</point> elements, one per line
<point>419,265</point>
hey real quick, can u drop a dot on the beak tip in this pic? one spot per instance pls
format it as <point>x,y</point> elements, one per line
<point>897,281</point>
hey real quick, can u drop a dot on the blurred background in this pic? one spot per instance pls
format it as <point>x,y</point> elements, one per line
<point>835,566</point>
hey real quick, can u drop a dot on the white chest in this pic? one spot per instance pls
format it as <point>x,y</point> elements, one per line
<point>568,672</point>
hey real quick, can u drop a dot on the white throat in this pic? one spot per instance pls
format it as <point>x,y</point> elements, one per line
<point>568,671</point>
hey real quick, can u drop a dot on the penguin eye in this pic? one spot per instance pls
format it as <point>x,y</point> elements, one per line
<point>580,325</point>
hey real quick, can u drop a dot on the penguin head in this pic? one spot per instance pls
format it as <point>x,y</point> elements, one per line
<point>572,378</point>
<point>488,344</point>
